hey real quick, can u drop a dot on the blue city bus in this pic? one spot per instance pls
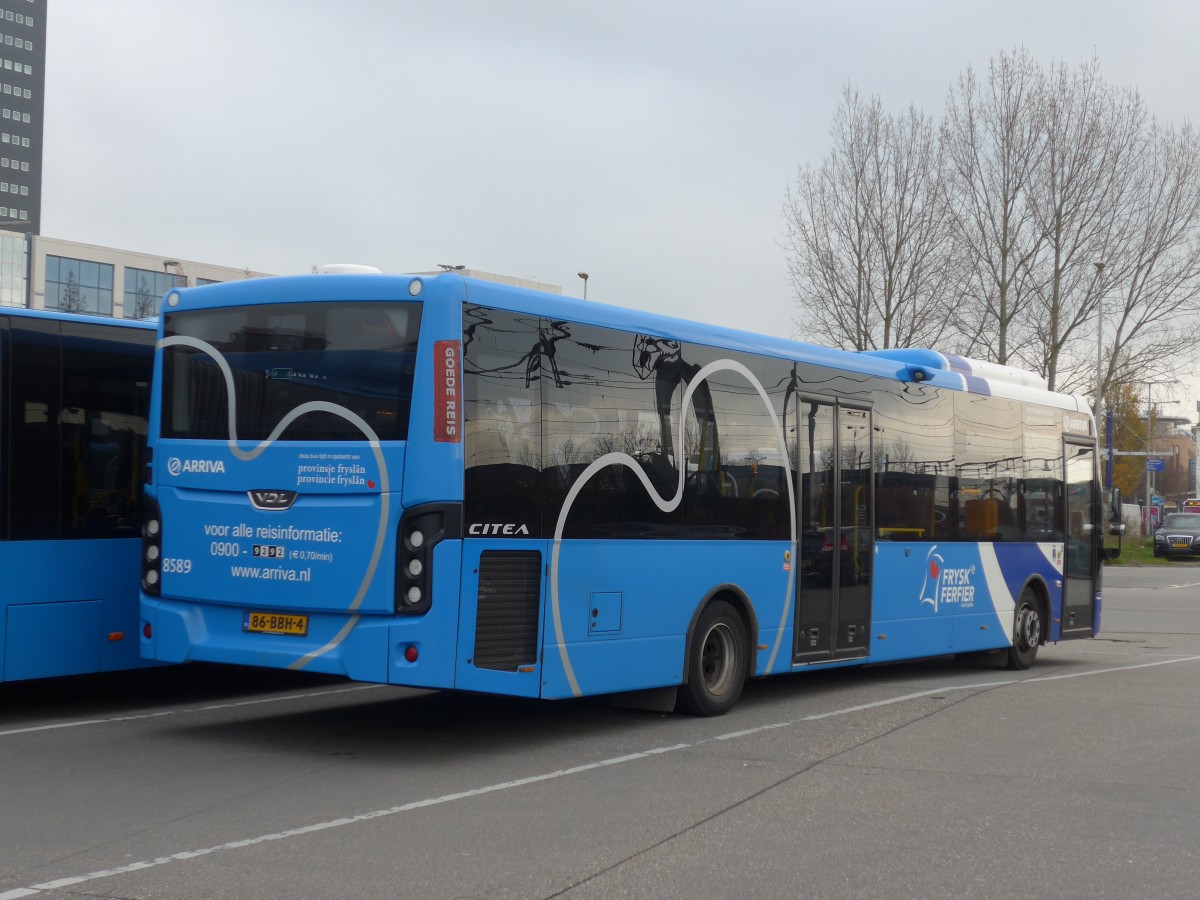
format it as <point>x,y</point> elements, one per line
<point>74,409</point>
<point>444,482</point>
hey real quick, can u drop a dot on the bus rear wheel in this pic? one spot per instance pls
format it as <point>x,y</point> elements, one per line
<point>717,661</point>
<point>1027,632</point>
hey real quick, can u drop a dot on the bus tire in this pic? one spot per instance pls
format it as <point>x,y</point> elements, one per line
<point>1027,632</point>
<point>717,662</point>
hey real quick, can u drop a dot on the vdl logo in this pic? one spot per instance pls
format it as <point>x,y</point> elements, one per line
<point>176,466</point>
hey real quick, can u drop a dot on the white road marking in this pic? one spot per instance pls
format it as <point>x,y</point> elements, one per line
<point>134,717</point>
<point>71,881</point>
<point>1149,665</point>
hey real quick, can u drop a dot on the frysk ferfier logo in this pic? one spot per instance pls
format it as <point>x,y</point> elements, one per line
<point>945,585</point>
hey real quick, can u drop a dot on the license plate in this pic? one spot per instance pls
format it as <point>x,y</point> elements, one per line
<point>1179,545</point>
<point>275,623</point>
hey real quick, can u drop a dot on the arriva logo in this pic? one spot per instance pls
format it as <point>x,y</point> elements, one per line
<point>947,586</point>
<point>175,465</point>
<point>496,528</point>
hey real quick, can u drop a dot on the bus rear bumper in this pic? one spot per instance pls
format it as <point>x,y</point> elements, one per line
<point>362,648</point>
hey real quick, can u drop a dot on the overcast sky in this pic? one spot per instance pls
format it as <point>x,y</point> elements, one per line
<point>647,143</point>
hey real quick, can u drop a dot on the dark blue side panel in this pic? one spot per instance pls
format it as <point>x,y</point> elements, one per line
<point>45,639</point>
<point>69,607</point>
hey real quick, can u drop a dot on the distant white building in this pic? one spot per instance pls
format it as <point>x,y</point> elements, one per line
<point>40,272</point>
<point>530,283</point>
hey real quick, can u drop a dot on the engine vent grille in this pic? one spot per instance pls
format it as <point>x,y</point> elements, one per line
<point>506,626</point>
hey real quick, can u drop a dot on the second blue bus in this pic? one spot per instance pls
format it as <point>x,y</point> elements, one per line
<point>74,405</point>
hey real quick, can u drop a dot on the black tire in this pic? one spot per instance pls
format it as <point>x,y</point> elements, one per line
<point>717,661</point>
<point>1027,632</point>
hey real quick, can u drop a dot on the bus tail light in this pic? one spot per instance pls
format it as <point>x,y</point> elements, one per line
<point>151,547</point>
<point>421,529</point>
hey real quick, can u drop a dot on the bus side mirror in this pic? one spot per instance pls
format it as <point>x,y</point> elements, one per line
<point>1114,504</point>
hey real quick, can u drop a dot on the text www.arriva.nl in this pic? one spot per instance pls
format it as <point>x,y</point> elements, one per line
<point>270,573</point>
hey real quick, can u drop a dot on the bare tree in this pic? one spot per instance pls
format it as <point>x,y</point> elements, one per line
<point>1055,172</point>
<point>1152,262</point>
<point>868,232</point>
<point>71,300</point>
<point>914,232</point>
<point>832,257</point>
<point>145,302</point>
<point>1044,192</point>
<point>994,142</point>
<point>1094,136</point>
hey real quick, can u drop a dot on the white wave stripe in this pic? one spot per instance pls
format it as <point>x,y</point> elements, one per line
<point>1002,599</point>
<point>669,505</point>
<point>247,455</point>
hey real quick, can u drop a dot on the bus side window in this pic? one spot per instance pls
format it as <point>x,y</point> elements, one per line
<point>35,497</point>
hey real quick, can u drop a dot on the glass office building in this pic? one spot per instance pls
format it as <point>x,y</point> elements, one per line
<point>22,101</point>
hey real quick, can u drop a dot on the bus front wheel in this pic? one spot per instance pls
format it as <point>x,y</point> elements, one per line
<point>1027,632</point>
<point>717,661</point>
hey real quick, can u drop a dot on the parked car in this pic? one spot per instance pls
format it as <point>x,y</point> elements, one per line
<point>816,557</point>
<point>1178,536</point>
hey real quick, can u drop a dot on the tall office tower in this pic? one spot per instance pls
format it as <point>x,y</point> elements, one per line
<point>22,101</point>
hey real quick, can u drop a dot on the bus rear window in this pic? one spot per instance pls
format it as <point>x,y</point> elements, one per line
<point>359,357</point>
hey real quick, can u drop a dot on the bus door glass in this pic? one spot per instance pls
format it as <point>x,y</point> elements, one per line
<point>857,529</point>
<point>1081,556</point>
<point>834,474</point>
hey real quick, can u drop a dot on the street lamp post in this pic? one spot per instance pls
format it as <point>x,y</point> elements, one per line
<point>1194,470</point>
<point>1151,446</point>
<point>1151,443</point>
<point>1099,341</point>
<point>584,276</point>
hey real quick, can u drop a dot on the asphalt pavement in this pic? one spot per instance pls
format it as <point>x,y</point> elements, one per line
<point>1077,778</point>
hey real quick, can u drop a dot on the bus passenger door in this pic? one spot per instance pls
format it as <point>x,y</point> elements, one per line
<point>1084,529</point>
<point>836,531</point>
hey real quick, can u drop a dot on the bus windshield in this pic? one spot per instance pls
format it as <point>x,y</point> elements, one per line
<point>359,356</point>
